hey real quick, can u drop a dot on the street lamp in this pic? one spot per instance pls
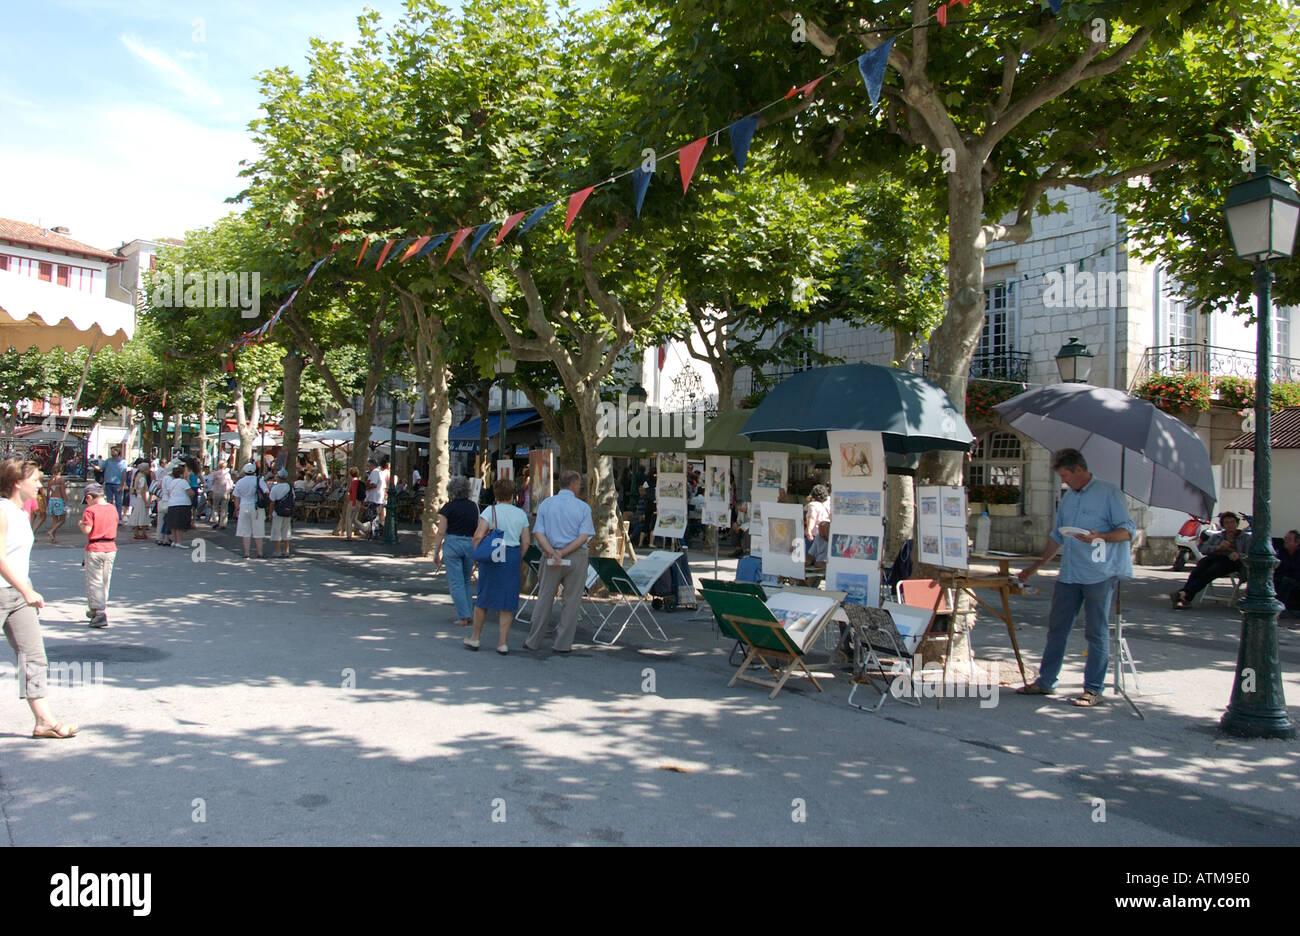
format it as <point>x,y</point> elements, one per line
<point>1074,361</point>
<point>1262,212</point>
<point>505,367</point>
<point>263,410</point>
<point>637,394</point>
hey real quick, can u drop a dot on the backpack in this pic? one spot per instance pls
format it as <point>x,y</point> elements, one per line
<point>284,506</point>
<point>263,496</point>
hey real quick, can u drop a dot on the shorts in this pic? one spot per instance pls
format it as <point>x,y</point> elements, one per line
<point>252,523</point>
<point>58,507</point>
<point>280,527</point>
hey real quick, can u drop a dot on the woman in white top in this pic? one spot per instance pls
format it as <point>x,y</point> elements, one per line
<point>252,521</point>
<point>140,501</point>
<point>19,601</point>
<point>498,582</point>
<point>179,504</point>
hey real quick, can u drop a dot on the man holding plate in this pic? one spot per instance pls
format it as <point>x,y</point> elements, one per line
<point>1092,532</point>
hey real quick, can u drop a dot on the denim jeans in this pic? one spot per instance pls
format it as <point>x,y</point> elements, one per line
<point>458,557</point>
<point>113,494</point>
<point>1066,600</point>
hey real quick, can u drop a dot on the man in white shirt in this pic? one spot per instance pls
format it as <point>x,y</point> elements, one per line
<point>281,526</point>
<point>252,521</point>
<point>375,489</point>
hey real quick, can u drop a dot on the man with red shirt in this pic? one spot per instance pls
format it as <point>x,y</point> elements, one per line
<point>99,523</point>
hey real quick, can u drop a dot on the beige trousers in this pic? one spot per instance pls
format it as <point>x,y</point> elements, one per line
<point>574,580</point>
<point>99,574</point>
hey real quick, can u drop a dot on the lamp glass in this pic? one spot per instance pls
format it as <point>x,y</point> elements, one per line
<point>1262,213</point>
<point>264,406</point>
<point>505,363</point>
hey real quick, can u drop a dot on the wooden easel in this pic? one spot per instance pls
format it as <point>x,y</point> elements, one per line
<point>1004,583</point>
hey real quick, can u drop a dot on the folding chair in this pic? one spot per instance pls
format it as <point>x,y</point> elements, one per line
<point>533,559</point>
<point>769,643</point>
<point>627,595</point>
<point>892,629</point>
<point>721,626</point>
<point>927,594</point>
<point>1234,580</point>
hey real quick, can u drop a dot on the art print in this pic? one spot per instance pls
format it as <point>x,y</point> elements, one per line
<point>856,460</point>
<point>855,546</point>
<point>672,463</point>
<point>856,504</point>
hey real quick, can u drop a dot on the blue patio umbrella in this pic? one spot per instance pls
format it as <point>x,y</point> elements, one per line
<point>913,414</point>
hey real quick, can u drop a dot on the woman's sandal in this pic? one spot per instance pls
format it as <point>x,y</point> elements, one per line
<point>57,730</point>
<point>1089,699</point>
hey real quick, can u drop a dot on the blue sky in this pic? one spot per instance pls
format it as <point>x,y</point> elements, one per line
<point>127,118</point>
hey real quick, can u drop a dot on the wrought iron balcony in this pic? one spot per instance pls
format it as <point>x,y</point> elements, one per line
<point>993,365</point>
<point>1211,361</point>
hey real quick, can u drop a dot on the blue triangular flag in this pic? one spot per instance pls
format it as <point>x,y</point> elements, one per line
<point>741,133</point>
<point>640,182</point>
<point>1055,5</point>
<point>433,242</point>
<point>535,217</point>
<point>872,65</point>
<point>398,250</point>
<point>315,266</point>
<point>479,235</point>
<point>373,252</point>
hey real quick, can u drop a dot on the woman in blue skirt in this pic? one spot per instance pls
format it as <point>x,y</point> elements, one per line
<point>498,582</point>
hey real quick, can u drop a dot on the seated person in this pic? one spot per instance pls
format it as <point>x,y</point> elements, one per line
<point>740,530</point>
<point>1286,577</point>
<point>694,516</point>
<point>321,483</point>
<point>817,552</point>
<point>1224,552</point>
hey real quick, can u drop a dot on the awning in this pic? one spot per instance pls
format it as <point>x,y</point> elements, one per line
<point>34,313</point>
<point>464,438</point>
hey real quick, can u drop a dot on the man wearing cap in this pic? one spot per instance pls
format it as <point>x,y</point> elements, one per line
<point>252,520</point>
<point>281,514</point>
<point>99,523</point>
<point>562,529</point>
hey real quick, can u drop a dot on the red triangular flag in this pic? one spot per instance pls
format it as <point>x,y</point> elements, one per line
<point>808,89</point>
<point>687,160</point>
<point>942,13</point>
<point>575,205</point>
<point>507,227</point>
<point>458,240</point>
<point>383,254</point>
<point>791,93</point>
<point>414,248</point>
<point>365,245</point>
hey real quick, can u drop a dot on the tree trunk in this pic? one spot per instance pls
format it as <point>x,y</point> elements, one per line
<point>724,373</point>
<point>365,419</point>
<point>247,428</point>
<point>292,364</point>
<point>600,493</point>
<point>435,381</point>
<point>203,421</point>
<point>178,430</point>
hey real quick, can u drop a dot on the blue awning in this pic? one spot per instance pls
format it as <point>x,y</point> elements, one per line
<point>464,438</point>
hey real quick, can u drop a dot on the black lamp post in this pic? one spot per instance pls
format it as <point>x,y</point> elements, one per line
<point>505,367</point>
<point>637,394</point>
<point>263,410</point>
<point>390,514</point>
<point>1262,212</point>
<point>221,426</point>
<point>1074,361</point>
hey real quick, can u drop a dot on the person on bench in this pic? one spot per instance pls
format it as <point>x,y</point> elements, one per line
<point>1286,577</point>
<point>1223,554</point>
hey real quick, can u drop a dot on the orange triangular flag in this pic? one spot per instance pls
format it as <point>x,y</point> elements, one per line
<point>414,248</point>
<point>575,205</point>
<point>791,93</point>
<point>458,240</point>
<point>808,89</point>
<point>688,159</point>
<point>365,245</point>
<point>383,254</point>
<point>942,13</point>
<point>507,228</point>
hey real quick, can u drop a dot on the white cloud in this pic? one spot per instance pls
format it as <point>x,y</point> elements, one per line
<point>172,72</point>
<point>154,173</point>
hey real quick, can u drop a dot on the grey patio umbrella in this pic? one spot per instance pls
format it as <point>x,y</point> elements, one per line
<point>1152,456</point>
<point>913,414</point>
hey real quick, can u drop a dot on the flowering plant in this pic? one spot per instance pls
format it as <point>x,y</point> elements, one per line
<point>983,395</point>
<point>1176,393</point>
<point>1239,393</point>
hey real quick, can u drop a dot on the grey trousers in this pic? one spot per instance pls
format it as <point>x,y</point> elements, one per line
<point>99,576</point>
<point>23,631</point>
<point>574,579</point>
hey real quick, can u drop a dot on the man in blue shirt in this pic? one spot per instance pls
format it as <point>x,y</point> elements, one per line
<point>113,469</point>
<point>1092,563</point>
<point>561,530</point>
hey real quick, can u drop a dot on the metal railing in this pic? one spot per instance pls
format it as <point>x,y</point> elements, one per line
<point>1211,361</point>
<point>993,365</point>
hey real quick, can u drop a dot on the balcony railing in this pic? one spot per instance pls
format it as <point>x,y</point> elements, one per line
<point>994,365</point>
<point>1211,361</point>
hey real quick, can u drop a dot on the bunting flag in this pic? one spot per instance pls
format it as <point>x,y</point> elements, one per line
<point>742,133</point>
<point>414,249</point>
<point>805,90</point>
<point>942,14</point>
<point>535,217</point>
<point>383,254</point>
<point>433,242</point>
<point>373,251</point>
<point>872,65</point>
<point>456,242</point>
<point>401,247</point>
<point>479,235</point>
<point>1055,5</point>
<point>316,266</point>
<point>640,182</point>
<point>505,228</point>
<point>575,205</point>
<point>365,245</point>
<point>688,159</point>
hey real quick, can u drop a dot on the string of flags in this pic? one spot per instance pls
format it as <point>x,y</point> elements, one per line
<point>380,251</point>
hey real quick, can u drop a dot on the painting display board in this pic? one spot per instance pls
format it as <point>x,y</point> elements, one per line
<point>801,612</point>
<point>541,465</point>
<point>505,469</point>
<point>670,496</point>
<point>648,570</point>
<point>771,472</point>
<point>717,491</point>
<point>783,543</point>
<point>941,526</point>
<point>857,516</point>
<point>475,490</point>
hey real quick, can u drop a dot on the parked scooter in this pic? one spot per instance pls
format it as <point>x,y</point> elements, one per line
<point>1189,539</point>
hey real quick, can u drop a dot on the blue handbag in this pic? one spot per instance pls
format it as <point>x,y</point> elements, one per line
<point>492,547</point>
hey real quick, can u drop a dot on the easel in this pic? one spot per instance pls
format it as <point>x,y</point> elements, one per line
<point>1003,583</point>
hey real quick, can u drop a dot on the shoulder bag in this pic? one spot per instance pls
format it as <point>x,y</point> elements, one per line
<point>491,548</point>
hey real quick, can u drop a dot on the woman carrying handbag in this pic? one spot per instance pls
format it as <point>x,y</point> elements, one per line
<point>499,544</point>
